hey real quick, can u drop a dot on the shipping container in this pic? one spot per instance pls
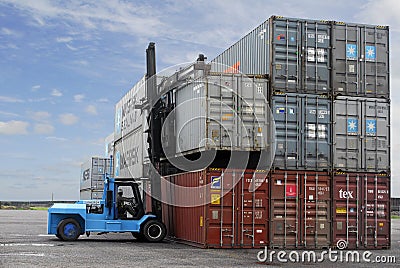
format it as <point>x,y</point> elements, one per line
<point>361,134</point>
<point>131,155</point>
<point>220,112</point>
<point>361,210</point>
<point>88,194</point>
<point>360,60</point>
<point>129,114</point>
<point>217,208</point>
<point>92,173</point>
<point>109,145</point>
<point>294,52</point>
<point>300,203</point>
<point>303,131</point>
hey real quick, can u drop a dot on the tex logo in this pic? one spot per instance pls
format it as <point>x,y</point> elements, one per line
<point>371,127</point>
<point>352,126</point>
<point>351,51</point>
<point>370,53</point>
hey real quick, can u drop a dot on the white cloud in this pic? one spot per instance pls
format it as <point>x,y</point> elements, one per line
<point>41,116</point>
<point>43,129</point>
<point>10,99</point>
<point>56,93</point>
<point>66,39</point>
<point>68,119</point>
<point>79,97</point>
<point>103,100</point>
<point>8,114</point>
<point>91,109</point>
<point>14,127</point>
<point>36,87</point>
<point>56,138</point>
<point>9,32</point>
<point>71,47</point>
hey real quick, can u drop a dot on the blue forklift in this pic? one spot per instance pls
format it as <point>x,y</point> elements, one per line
<point>106,215</point>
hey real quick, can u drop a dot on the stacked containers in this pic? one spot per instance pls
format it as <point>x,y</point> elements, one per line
<point>130,139</point>
<point>361,135</point>
<point>330,99</point>
<point>92,178</point>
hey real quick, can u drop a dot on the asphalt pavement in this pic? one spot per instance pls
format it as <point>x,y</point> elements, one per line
<point>24,243</point>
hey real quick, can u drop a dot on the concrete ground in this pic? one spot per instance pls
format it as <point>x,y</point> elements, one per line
<point>24,243</point>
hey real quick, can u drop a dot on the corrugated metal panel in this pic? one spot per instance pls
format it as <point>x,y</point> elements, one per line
<point>131,155</point>
<point>223,112</point>
<point>300,55</point>
<point>361,134</point>
<point>88,194</point>
<point>128,111</point>
<point>303,131</point>
<point>360,62</point>
<point>230,215</point>
<point>249,55</point>
<point>109,145</point>
<point>300,209</point>
<point>361,214</point>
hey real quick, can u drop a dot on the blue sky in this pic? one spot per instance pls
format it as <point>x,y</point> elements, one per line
<point>65,64</point>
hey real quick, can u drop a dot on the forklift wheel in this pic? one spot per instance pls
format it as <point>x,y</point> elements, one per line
<point>68,229</point>
<point>154,231</point>
<point>139,237</point>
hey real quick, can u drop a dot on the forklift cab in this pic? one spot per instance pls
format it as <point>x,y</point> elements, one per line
<point>129,204</point>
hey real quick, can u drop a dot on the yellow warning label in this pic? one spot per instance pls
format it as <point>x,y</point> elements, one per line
<point>341,211</point>
<point>381,224</point>
<point>215,199</point>
<point>201,221</point>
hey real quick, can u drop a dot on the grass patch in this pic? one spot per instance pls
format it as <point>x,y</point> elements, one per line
<point>38,208</point>
<point>395,217</point>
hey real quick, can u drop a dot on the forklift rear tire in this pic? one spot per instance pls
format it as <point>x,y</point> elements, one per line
<point>68,230</point>
<point>154,231</point>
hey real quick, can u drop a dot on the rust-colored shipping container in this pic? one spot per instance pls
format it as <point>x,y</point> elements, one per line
<point>300,209</point>
<point>217,208</point>
<point>361,210</point>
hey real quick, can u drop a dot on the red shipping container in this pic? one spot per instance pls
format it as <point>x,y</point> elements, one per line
<point>361,210</point>
<point>217,208</point>
<point>300,209</point>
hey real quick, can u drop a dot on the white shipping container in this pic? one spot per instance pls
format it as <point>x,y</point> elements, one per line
<point>129,114</point>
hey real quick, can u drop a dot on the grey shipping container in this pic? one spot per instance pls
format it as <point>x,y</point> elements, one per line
<point>303,131</point>
<point>361,134</point>
<point>221,112</point>
<point>360,60</point>
<point>294,52</point>
<point>92,173</point>
<point>88,194</point>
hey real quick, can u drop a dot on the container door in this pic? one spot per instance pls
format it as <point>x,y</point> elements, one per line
<point>221,231</point>
<point>316,62</point>
<point>376,130</point>
<point>360,60</point>
<point>361,214</point>
<point>253,210</point>
<point>286,55</point>
<point>375,67</point>
<point>376,216</point>
<point>347,134</point>
<point>287,115</point>
<point>316,134</point>
<point>222,109</point>
<point>316,216</point>
<point>285,207</point>
<point>253,113</point>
